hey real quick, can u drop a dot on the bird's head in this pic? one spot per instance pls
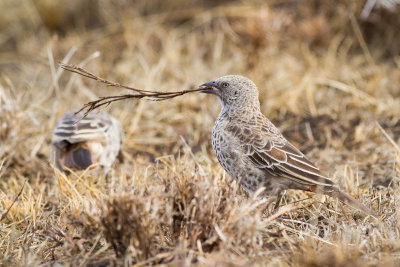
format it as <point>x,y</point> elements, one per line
<point>233,91</point>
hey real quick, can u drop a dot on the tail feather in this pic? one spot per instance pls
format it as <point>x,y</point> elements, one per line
<point>78,159</point>
<point>333,191</point>
<point>345,198</point>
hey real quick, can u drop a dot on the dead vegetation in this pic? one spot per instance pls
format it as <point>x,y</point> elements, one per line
<point>328,77</point>
<point>107,100</point>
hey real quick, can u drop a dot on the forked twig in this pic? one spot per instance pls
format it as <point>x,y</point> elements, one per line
<point>106,100</point>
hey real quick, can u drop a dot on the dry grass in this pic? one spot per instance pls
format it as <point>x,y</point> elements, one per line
<point>329,79</point>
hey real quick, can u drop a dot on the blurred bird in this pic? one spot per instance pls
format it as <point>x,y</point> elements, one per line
<point>254,152</point>
<point>81,143</point>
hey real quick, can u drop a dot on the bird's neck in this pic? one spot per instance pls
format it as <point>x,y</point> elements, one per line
<point>240,110</point>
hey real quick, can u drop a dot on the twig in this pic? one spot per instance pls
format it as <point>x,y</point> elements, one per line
<point>12,204</point>
<point>106,100</point>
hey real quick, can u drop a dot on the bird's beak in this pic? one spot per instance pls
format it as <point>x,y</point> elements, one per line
<point>209,88</point>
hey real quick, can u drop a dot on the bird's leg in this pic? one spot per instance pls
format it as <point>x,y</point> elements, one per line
<point>120,157</point>
<point>278,200</point>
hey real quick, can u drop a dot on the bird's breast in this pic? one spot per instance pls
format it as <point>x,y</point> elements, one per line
<point>223,146</point>
<point>218,136</point>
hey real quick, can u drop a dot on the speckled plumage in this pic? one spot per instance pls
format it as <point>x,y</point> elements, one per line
<point>94,140</point>
<point>254,152</point>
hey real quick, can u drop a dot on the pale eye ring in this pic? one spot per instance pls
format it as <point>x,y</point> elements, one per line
<point>225,85</point>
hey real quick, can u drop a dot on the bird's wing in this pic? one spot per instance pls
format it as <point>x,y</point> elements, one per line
<point>71,130</point>
<point>267,149</point>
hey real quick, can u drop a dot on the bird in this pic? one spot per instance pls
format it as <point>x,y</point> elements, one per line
<point>79,143</point>
<point>254,152</point>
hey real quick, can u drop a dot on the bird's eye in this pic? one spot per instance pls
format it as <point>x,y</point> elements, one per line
<point>225,85</point>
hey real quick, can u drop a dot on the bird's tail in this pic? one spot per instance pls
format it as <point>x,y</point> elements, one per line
<point>78,159</point>
<point>345,198</point>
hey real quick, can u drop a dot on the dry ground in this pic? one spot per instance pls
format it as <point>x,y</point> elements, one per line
<point>327,77</point>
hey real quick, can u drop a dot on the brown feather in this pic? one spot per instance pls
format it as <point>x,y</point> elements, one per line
<point>277,154</point>
<point>343,197</point>
<point>77,158</point>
